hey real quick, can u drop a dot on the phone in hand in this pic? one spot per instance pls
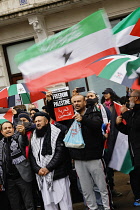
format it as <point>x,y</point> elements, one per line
<point>20,122</point>
<point>80,89</point>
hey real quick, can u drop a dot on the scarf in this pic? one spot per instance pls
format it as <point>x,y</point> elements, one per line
<point>46,133</point>
<point>15,152</point>
<point>108,104</point>
<point>44,156</point>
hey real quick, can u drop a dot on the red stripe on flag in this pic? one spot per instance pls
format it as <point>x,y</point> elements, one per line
<point>136,30</point>
<point>136,85</point>
<point>9,115</point>
<point>4,103</point>
<point>98,66</point>
<point>4,93</point>
<point>118,110</point>
<point>35,96</point>
<point>67,73</point>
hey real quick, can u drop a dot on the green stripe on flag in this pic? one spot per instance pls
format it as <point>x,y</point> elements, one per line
<point>12,90</point>
<point>132,66</point>
<point>127,164</point>
<point>2,121</point>
<point>93,23</point>
<point>128,21</point>
<point>25,98</point>
<point>111,68</point>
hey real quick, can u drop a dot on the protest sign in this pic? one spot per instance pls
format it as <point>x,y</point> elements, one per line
<point>62,104</point>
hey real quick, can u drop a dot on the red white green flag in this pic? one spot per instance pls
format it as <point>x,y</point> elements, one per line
<point>123,69</point>
<point>18,94</point>
<point>64,56</point>
<point>127,31</point>
<point>8,116</point>
<point>121,159</point>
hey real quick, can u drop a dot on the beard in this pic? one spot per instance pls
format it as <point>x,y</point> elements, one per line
<point>41,132</point>
<point>131,104</point>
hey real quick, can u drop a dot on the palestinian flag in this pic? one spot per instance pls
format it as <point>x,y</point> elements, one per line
<point>18,94</point>
<point>123,69</point>
<point>121,159</point>
<point>127,33</point>
<point>64,56</point>
<point>7,116</point>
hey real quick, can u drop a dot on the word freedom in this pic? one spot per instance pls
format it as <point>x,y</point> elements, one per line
<point>60,95</point>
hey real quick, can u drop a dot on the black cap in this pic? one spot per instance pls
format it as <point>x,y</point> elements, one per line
<point>24,115</point>
<point>36,110</point>
<point>46,108</point>
<point>43,114</point>
<point>108,90</point>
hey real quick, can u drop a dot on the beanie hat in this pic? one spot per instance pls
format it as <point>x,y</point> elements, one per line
<point>25,115</point>
<point>46,108</point>
<point>36,110</point>
<point>43,114</point>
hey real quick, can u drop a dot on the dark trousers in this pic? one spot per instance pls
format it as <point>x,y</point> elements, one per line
<point>135,182</point>
<point>110,177</point>
<point>17,191</point>
<point>4,202</point>
<point>37,197</point>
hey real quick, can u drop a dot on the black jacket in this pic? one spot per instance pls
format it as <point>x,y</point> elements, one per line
<point>22,169</point>
<point>60,163</point>
<point>92,134</point>
<point>132,129</point>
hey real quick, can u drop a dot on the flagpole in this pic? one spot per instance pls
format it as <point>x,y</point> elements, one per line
<point>86,81</point>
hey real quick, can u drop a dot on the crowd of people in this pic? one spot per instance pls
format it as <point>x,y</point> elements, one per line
<point>35,164</point>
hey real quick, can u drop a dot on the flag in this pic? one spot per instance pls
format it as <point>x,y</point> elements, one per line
<point>18,94</point>
<point>64,56</point>
<point>8,116</point>
<point>121,159</point>
<point>123,69</point>
<point>127,32</point>
<point>4,102</point>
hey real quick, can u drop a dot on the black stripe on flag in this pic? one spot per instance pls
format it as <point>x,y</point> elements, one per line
<point>131,48</point>
<point>11,101</point>
<point>128,82</point>
<point>25,87</point>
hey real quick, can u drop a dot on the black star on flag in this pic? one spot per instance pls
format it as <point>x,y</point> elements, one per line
<point>67,56</point>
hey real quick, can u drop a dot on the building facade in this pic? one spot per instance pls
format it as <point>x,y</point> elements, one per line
<point>25,22</point>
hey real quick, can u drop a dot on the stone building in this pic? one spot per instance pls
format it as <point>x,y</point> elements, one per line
<point>25,22</point>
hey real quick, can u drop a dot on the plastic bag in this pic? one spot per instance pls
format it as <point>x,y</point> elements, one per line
<point>74,138</point>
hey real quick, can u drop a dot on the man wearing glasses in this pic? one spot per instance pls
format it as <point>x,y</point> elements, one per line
<point>132,129</point>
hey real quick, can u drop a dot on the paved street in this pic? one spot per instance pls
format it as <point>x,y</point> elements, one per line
<point>125,202</point>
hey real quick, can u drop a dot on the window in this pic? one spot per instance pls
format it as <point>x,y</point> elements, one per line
<point>10,51</point>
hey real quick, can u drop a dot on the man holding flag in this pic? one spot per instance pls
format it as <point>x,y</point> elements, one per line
<point>131,129</point>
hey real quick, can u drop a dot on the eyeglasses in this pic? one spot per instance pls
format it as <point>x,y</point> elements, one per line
<point>132,96</point>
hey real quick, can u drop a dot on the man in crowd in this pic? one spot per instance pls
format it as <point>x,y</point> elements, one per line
<point>15,171</point>
<point>132,129</point>
<point>50,163</point>
<point>88,161</point>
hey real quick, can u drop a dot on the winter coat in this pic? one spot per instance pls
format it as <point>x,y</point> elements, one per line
<point>132,129</point>
<point>22,169</point>
<point>112,135</point>
<point>92,134</point>
<point>60,163</point>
